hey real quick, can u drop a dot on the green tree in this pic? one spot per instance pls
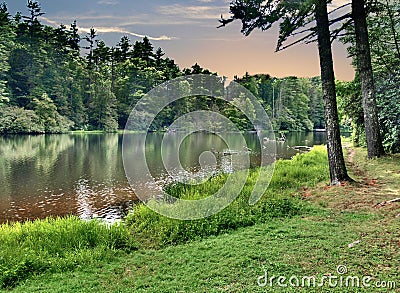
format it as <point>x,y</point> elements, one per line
<point>364,67</point>
<point>122,50</point>
<point>384,36</point>
<point>6,44</point>
<point>316,106</point>
<point>388,99</point>
<point>350,108</point>
<point>383,32</point>
<point>293,17</point>
<point>74,39</point>
<point>49,118</point>
<point>143,50</point>
<point>235,111</point>
<point>102,107</point>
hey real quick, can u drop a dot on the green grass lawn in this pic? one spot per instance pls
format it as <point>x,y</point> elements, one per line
<point>313,245</point>
<point>312,242</point>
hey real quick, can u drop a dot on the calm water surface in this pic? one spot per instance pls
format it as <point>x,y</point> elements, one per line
<point>83,174</point>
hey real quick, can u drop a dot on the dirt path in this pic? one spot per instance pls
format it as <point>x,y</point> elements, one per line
<point>378,181</point>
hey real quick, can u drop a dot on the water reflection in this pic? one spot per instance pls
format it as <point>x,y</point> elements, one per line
<point>83,174</point>
<point>60,174</point>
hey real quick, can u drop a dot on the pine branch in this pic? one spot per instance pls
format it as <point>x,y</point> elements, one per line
<point>338,8</point>
<point>311,35</point>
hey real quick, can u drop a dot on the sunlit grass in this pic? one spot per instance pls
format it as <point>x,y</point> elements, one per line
<point>56,245</point>
<point>280,200</point>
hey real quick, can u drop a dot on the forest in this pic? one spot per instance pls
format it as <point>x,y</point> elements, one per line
<point>55,79</point>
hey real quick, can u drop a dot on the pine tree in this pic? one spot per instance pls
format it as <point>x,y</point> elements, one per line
<point>74,39</point>
<point>364,67</point>
<point>294,16</point>
<point>6,43</point>
<point>122,50</point>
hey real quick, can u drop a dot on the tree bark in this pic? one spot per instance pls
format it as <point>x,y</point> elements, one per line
<point>364,67</point>
<point>337,167</point>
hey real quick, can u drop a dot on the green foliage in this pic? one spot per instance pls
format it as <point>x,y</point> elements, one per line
<point>292,103</point>
<point>303,170</point>
<point>7,37</point>
<point>384,35</point>
<point>388,101</point>
<point>43,118</point>
<point>235,112</point>
<point>316,106</point>
<point>49,118</point>
<point>18,120</point>
<point>98,91</point>
<point>350,108</point>
<point>56,245</point>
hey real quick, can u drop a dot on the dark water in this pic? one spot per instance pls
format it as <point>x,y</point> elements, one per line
<point>83,174</point>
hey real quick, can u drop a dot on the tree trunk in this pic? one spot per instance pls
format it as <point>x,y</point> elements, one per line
<point>364,67</point>
<point>337,165</point>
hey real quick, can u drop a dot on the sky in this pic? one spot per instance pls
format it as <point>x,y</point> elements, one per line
<point>187,32</point>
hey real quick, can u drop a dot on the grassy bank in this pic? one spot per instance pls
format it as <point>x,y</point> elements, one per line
<point>57,245</point>
<point>313,241</point>
<point>65,244</point>
<point>312,245</point>
<point>281,200</point>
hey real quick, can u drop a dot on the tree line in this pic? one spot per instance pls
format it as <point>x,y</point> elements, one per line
<point>54,79</point>
<point>48,85</point>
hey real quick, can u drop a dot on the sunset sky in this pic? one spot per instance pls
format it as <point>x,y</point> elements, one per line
<point>186,30</point>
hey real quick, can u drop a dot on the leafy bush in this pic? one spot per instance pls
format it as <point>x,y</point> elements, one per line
<point>18,120</point>
<point>43,119</point>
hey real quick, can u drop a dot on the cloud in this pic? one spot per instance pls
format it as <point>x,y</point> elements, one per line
<point>114,30</point>
<point>49,21</point>
<point>193,12</point>
<point>123,31</point>
<point>120,20</point>
<point>108,2</point>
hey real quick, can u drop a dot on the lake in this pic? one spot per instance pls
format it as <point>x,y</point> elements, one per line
<point>83,174</point>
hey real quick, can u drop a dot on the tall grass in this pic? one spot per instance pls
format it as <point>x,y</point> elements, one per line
<point>56,245</point>
<point>280,200</point>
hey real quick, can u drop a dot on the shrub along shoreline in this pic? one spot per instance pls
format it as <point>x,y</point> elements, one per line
<point>64,244</point>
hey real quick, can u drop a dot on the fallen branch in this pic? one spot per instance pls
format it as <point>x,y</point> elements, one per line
<point>388,202</point>
<point>393,200</point>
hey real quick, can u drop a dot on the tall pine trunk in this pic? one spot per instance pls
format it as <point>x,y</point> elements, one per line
<point>337,165</point>
<point>364,67</point>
